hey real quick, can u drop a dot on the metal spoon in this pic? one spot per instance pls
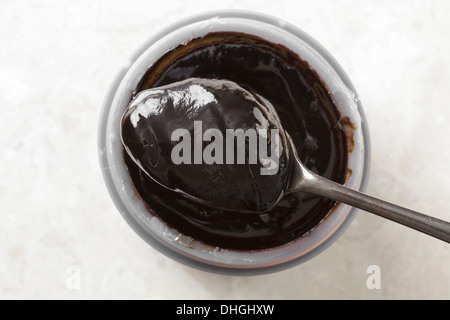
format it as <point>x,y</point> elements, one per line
<point>303,180</point>
<point>300,179</point>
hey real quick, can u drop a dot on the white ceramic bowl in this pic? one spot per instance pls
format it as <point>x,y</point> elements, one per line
<point>183,248</point>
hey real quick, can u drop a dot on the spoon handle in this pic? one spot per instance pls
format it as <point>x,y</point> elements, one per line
<point>437,228</point>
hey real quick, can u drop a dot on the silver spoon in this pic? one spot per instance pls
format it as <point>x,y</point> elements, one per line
<point>303,180</point>
<point>300,178</point>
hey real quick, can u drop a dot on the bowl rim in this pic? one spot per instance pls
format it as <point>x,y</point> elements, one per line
<point>114,193</point>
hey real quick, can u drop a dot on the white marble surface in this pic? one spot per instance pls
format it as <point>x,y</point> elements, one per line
<point>57,59</point>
